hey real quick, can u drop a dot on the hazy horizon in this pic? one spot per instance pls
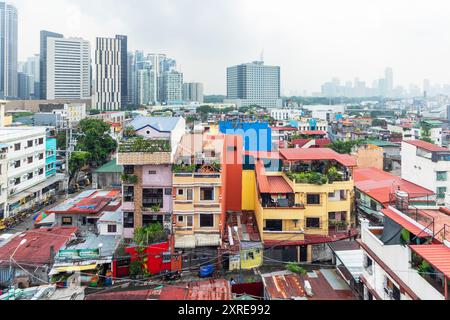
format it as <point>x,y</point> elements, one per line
<point>312,42</point>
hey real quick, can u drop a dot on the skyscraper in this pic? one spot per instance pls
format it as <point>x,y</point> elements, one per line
<point>123,69</point>
<point>107,96</point>
<point>171,87</point>
<point>254,84</point>
<point>68,68</point>
<point>43,61</point>
<point>132,80</point>
<point>8,51</point>
<point>193,92</point>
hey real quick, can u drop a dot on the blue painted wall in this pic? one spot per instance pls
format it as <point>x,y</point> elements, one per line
<point>50,159</point>
<point>257,135</point>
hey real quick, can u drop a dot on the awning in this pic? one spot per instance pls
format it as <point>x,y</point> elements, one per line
<point>73,268</point>
<point>184,241</point>
<point>353,261</point>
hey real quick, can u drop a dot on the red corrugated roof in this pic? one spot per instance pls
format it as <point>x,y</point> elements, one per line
<point>263,155</point>
<point>379,185</point>
<point>36,250</point>
<point>317,154</point>
<point>199,291</point>
<point>437,255</point>
<point>426,145</point>
<point>300,142</point>
<point>270,184</point>
<point>411,227</point>
<point>314,133</point>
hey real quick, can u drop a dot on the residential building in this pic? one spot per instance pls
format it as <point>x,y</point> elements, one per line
<point>44,35</point>
<point>303,206</point>
<point>68,74</point>
<point>50,156</point>
<point>60,116</point>
<point>108,176</point>
<point>144,87</point>
<point>285,114</point>
<point>132,80</point>
<point>147,160</point>
<point>8,45</point>
<point>373,190</point>
<point>193,92</point>
<point>171,87</point>
<point>23,86</point>
<point>254,84</point>
<point>35,256</point>
<point>427,165</point>
<point>407,257</point>
<point>4,148</point>
<point>26,168</point>
<point>369,156</point>
<point>31,68</point>
<point>108,75</point>
<point>197,186</point>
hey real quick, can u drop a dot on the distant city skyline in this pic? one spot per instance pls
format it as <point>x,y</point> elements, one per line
<point>352,39</point>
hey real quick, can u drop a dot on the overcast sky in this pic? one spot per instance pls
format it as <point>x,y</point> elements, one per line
<point>312,41</point>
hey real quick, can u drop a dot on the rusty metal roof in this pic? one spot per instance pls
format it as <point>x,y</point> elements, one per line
<point>283,286</point>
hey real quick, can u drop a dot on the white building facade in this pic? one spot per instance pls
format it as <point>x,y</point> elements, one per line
<point>427,165</point>
<point>68,68</point>
<point>107,96</point>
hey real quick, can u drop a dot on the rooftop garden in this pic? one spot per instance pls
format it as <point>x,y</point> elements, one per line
<point>139,144</point>
<point>213,167</point>
<point>316,173</point>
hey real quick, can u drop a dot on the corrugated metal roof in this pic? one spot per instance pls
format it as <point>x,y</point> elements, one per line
<point>283,286</point>
<point>270,184</point>
<point>426,145</point>
<point>379,185</point>
<point>437,255</point>
<point>405,223</point>
<point>317,154</point>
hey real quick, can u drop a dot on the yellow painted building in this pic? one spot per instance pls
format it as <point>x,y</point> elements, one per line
<point>293,213</point>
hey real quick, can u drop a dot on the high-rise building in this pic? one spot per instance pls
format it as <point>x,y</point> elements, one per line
<point>108,86</point>
<point>193,92</point>
<point>171,87</point>
<point>43,61</point>
<point>23,82</point>
<point>31,68</point>
<point>68,64</point>
<point>144,86</point>
<point>123,69</point>
<point>254,84</point>
<point>8,51</point>
<point>132,79</point>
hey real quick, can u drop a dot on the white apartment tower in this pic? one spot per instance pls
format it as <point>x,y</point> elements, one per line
<point>68,68</point>
<point>193,92</point>
<point>108,59</point>
<point>8,51</point>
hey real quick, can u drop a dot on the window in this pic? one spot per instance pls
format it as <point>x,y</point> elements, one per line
<point>274,225</point>
<point>190,194</point>
<point>41,140</point>
<point>128,169</point>
<point>17,164</point>
<point>168,191</point>
<point>373,205</point>
<point>441,191</point>
<point>17,181</point>
<point>190,221</point>
<point>30,143</point>
<point>41,156</point>
<point>41,171</point>
<point>441,176</point>
<point>30,159</point>
<point>128,220</point>
<point>313,223</point>
<point>206,194</point>
<point>151,197</point>
<point>180,192</point>
<point>180,219</point>
<point>128,193</point>
<point>112,228</point>
<point>313,199</point>
<point>67,221</point>
<point>17,147</point>
<point>206,221</point>
<point>152,172</point>
<point>30,176</point>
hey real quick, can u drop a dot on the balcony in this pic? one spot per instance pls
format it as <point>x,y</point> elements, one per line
<point>191,174</point>
<point>139,151</point>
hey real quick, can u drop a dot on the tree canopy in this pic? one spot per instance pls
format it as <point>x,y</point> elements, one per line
<point>96,140</point>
